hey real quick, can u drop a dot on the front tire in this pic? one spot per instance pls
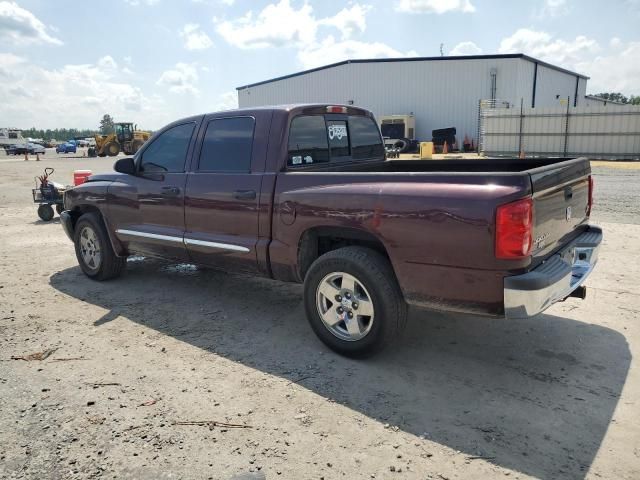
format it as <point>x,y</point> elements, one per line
<point>94,252</point>
<point>353,302</point>
<point>45,212</point>
<point>112,149</point>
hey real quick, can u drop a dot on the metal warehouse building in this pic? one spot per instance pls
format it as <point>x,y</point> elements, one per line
<point>440,91</point>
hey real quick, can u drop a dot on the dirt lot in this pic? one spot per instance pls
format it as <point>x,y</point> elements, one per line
<point>460,397</point>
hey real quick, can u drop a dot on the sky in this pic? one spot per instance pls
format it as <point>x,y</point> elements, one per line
<point>65,63</point>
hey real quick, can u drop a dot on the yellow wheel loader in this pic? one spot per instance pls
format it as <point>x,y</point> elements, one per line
<point>126,139</point>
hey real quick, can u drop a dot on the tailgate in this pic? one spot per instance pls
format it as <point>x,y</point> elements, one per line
<point>560,202</point>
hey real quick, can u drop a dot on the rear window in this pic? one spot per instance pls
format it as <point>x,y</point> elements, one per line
<point>227,145</point>
<point>338,134</point>
<point>308,141</point>
<point>316,139</point>
<point>365,138</point>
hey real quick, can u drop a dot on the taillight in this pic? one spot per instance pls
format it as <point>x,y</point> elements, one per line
<point>514,222</point>
<point>590,204</point>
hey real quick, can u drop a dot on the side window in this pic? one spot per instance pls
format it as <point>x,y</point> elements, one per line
<point>308,141</point>
<point>338,138</point>
<point>227,145</point>
<point>365,138</point>
<point>168,152</point>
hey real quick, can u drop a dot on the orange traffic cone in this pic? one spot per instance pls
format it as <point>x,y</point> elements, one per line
<point>445,148</point>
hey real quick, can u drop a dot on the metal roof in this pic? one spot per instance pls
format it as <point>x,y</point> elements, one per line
<point>419,59</point>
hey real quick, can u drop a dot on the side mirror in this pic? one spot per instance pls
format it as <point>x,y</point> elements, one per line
<point>125,165</point>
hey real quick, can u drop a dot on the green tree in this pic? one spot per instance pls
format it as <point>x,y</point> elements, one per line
<point>106,124</point>
<point>634,100</point>
<point>613,97</point>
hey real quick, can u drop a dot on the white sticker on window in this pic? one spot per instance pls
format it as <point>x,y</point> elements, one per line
<point>337,131</point>
<point>308,159</point>
<point>296,160</point>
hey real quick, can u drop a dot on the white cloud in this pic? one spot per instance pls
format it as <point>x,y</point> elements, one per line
<point>180,79</point>
<point>21,27</point>
<point>553,8</point>
<point>349,20</point>
<point>330,51</point>
<point>281,25</point>
<point>136,3</point>
<point>72,95</point>
<point>435,6</point>
<point>618,71</point>
<point>542,45</point>
<point>227,101</point>
<point>195,38</point>
<point>276,25</point>
<point>107,62</point>
<point>466,48</point>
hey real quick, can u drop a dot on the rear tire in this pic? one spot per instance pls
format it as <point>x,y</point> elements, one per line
<point>94,252</point>
<point>45,212</point>
<point>374,312</point>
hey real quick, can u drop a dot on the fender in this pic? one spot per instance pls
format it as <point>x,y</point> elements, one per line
<point>91,196</point>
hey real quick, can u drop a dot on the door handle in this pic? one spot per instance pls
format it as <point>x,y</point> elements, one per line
<point>170,191</point>
<point>244,194</point>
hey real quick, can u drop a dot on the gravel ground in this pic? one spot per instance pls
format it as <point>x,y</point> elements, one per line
<point>617,192</point>
<point>459,397</point>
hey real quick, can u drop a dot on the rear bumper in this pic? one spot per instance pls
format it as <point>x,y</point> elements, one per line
<point>533,292</point>
<point>67,224</point>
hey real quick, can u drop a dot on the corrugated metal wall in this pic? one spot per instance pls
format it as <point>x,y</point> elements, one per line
<point>597,132</point>
<point>440,93</point>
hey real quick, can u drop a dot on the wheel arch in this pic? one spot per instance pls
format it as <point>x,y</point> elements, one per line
<point>80,210</point>
<point>317,241</point>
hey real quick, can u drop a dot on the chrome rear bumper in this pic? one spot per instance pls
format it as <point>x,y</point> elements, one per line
<point>533,292</point>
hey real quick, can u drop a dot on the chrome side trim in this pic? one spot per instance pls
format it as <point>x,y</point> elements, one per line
<point>155,236</point>
<point>224,246</point>
<point>186,241</point>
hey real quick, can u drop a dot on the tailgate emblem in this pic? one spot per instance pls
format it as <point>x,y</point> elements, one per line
<point>568,213</point>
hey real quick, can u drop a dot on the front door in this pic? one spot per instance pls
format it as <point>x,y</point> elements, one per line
<point>222,196</point>
<point>149,206</point>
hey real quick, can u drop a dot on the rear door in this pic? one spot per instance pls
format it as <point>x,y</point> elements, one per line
<point>222,203</point>
<point>561,198</point>
<point>148,208</point>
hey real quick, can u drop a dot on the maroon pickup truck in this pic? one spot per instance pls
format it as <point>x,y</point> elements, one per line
<point>303,193</point>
